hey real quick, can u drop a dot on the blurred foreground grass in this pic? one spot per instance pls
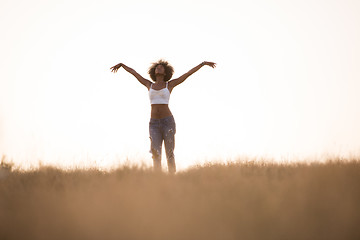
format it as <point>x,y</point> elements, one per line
<point>231,201</point>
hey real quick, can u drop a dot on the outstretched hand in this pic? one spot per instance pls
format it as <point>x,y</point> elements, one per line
<point>211,64</point>
<point>115,68</point>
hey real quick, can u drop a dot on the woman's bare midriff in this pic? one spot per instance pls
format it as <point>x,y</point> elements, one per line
<point>159,111</point>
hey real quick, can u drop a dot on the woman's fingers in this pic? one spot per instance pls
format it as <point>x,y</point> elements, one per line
<point>115,68</point>
<point>211,64</point>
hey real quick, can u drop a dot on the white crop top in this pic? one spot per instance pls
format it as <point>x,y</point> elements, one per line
<point>161,96</point>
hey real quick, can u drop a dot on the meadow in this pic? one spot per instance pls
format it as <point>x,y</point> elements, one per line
<point>241,200</point>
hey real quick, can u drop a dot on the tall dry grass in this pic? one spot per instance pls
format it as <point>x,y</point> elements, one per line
<point>233,201</point>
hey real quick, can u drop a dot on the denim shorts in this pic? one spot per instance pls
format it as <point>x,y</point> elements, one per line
<point>163,130</point>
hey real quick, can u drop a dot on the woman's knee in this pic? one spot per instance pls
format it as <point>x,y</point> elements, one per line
<point>156,152</point>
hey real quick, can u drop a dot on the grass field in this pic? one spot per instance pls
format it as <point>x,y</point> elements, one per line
<point>244,200</point>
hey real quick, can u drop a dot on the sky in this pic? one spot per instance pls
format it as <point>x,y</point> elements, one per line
<point>285,87</point>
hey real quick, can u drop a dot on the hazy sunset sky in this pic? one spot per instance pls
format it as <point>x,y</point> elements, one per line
<point>286,85</point>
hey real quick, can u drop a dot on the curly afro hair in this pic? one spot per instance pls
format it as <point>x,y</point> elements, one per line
<point>169,70</point>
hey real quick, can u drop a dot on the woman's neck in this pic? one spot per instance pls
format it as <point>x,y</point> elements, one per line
<point>160,78</point>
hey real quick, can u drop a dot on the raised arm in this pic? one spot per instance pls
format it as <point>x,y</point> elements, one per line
<point>142,80</point>
<point>182,78</point>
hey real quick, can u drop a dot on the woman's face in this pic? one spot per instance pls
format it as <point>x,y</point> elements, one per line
<point>160,70</point>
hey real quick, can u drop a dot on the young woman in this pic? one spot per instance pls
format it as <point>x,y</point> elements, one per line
<point>162,124</point>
